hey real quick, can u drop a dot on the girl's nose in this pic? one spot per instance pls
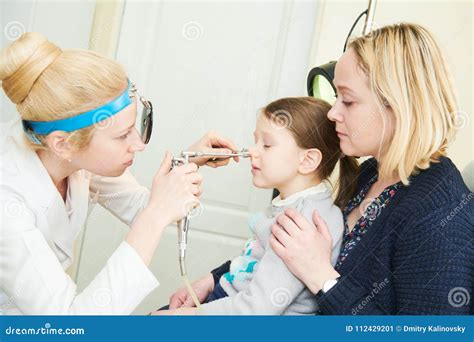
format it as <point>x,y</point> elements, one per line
<point>253,152</point>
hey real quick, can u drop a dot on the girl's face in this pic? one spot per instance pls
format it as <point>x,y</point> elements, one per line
<point>113,144</point>
<point>364,128</point>
<point>275,156</point>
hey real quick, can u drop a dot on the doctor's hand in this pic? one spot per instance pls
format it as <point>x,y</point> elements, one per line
<point>213,142</point>
<point>202,287</point>
<point>175,192</point>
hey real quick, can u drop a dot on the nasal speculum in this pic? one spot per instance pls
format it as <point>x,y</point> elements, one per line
<point>185,155</point>
<point>183,224</point>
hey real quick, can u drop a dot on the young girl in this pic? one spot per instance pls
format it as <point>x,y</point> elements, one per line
<point>296,149</point>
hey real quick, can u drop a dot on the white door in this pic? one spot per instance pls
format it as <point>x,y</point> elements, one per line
<point>205,65</point>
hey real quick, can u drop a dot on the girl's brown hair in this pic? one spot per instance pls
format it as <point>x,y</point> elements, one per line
<point>306,118</point>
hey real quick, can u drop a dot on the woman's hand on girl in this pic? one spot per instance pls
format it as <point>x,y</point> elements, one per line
<point>213,142</point>
<point>305,249</point>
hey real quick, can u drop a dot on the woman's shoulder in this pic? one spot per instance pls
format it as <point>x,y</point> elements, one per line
<point>436,195</point>
<point>442,182</point>
<point>435,189</point>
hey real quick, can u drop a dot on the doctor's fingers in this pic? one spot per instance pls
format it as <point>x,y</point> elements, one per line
<point>186,168</point>
<point>196,190</point>
<point>218,162</point>
<point>193,178</point>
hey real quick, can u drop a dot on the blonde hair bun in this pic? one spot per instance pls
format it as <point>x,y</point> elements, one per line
<point>23,61</point>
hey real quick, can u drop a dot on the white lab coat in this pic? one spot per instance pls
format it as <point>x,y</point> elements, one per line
<point>37,238</point>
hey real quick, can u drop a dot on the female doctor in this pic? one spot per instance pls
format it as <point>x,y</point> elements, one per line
<point>73,145</point>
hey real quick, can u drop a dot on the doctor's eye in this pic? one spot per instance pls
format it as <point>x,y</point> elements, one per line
<point>123,137</point>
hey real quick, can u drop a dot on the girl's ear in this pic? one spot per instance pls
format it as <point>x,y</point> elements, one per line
<point>309,161</point>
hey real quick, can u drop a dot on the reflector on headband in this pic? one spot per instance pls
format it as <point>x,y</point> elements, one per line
<point>81,120</point>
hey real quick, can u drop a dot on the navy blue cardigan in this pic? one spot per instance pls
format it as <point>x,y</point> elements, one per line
<point>417,258</point>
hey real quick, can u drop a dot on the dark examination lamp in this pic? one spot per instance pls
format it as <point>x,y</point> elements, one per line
<point>320,79</point>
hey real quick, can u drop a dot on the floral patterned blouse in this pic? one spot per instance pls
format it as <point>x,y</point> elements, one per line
<point>371,210</point>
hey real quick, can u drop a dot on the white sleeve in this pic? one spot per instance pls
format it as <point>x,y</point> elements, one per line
<point>123,196</point>
<point>31,275</point>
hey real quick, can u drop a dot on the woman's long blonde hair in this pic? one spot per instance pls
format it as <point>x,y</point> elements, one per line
<point>407,70</point>
<point>47,83</point>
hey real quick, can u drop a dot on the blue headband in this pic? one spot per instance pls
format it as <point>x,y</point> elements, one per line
<point>78,121</point>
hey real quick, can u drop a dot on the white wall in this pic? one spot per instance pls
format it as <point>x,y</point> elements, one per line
<point>66,23</point>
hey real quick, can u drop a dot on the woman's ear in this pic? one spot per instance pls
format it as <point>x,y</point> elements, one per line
<point>58,144</point>
<point>310,160</point>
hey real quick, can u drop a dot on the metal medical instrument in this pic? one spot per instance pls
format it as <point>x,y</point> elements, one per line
<point>183,224</point>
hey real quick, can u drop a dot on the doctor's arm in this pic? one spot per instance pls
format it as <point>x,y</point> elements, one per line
<point>124,197</point>
<point>33,278</point>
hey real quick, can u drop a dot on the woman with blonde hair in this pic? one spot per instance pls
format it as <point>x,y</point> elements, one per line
<point>409,227</point>
<point>73,145</point>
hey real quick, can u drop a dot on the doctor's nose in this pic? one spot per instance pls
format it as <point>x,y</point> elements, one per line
<point>137,144</point>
